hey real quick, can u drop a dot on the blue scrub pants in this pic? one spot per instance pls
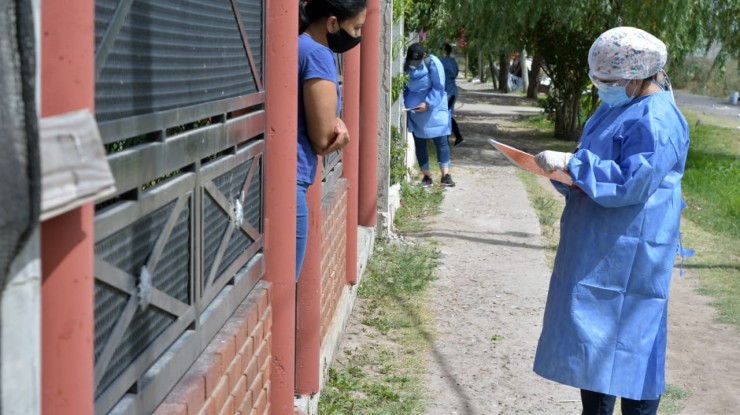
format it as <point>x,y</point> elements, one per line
<point>443,152</point>
<point>595,403</point>
<point>301,226</point>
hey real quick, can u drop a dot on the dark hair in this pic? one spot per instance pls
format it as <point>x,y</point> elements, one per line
<point>448,48</point>
<point>312,10</point>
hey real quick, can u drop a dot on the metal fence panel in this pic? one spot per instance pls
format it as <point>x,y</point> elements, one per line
<point>180,105</point>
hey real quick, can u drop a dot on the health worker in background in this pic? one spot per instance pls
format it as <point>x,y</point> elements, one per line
<point>326,27</point>
<point>451,71</point>
<point>604,328</point>
<point>428,118</point>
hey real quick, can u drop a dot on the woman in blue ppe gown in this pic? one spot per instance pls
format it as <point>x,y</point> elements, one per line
<point>604,328</point>
<point>428,118</point>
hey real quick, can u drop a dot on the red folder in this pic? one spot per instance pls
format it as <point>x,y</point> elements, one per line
<point>526,161</point>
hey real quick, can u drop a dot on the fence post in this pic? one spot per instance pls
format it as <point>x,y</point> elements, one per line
<point>67,241</point>
<point>281,83</point>
<point>368,200</point>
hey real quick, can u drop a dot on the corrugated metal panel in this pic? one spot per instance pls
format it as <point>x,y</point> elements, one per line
<point>109,304</point>
<point>253,204</point>
<point>251,11</point>
<point>144,329</point>
<point>231,185</point>
<point>171,54</point>
<point>129,249</point>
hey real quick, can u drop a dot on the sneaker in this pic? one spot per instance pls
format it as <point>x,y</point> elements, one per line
<point>458,141</point>
<point>447,181</point>
<point>426,181</point>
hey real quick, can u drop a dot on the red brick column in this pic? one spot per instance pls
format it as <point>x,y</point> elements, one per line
<point>368,200</point>
<point>281,83</point>
<point>67,241</point>
<point>351,153</point>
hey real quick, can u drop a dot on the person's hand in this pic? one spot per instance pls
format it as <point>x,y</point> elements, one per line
<point>550,161</point>
<point>422,107</point>
<point>341,138</point>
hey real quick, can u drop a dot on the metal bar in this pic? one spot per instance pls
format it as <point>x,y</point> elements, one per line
<point>111,33</point>
<point>115,338</point>
<point>248,180</point>
<point>128,127</point>
<point>131,374</point>
<point>219,255</point>
<point>218,309</point>
<point>221,166</point>
<point>132,168</point>
<point>213,291</point>
<point>219,198</point>
<point>165,302</point>
<point>197,244</point>
<point>113,219</point>
<point>253,233</point>
<point>247,48</point>
<point>164,237</point>
<point>114,276</point>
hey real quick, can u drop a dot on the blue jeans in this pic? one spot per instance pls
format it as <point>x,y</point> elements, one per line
<point>301,226</point>
<point>443,152</point>
<point>595,403</point>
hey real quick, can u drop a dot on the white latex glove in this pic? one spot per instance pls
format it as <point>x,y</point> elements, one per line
<point>553,160</point>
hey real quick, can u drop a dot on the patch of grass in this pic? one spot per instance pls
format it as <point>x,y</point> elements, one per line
<point>417,204</point>
<point>710,183</point>
<point>716,265</point>
<point>384,376</point>
<point>670,403</point>
<point>540,122</point>
<point>548,206</point>
<point>672,400</point>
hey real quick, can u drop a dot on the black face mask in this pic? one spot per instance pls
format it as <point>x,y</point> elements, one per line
<point>342,41</point>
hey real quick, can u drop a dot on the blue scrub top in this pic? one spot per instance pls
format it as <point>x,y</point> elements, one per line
<point>604,327</point>
<point>315,61</point>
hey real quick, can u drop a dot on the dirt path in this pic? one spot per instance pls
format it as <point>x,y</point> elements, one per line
<point>492,288</point>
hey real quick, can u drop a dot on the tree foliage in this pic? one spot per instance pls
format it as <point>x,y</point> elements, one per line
<point>559,33</point>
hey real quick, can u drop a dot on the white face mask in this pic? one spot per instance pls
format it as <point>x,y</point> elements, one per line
<point>615,96</point>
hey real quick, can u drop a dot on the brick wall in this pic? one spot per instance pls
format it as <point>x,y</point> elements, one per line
<point>232,375</point>
<point>334,252</point>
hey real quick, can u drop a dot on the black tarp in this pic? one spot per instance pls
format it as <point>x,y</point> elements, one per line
<point>20,183</point>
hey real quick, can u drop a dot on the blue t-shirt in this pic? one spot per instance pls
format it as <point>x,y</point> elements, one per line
<point>315,61</point>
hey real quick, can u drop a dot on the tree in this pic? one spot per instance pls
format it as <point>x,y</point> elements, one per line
<point>560,33</point>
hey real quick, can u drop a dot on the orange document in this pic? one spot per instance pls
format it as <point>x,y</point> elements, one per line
<point>526,161</point>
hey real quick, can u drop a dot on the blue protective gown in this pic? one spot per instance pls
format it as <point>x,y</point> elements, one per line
<point>427,85</point>
<point>604,327</point>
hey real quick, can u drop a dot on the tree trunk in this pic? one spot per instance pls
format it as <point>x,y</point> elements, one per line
<point>534,83</point>
<point>566,117</point>
<point>481,68</point>
<point>503,72</point>
<point>494,75</point>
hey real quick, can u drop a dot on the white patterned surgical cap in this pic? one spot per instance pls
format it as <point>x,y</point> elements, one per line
<point>626,53</point>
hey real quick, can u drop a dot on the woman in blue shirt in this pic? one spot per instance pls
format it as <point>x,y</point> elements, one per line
<point>326,27</point>
<point>451,72</point>
<point>604,329</point>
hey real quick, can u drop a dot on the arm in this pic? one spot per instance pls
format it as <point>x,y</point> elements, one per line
<point>342,137</point>
<point>320,106</point>
<point>648,158</point>
<point>437,92</point>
